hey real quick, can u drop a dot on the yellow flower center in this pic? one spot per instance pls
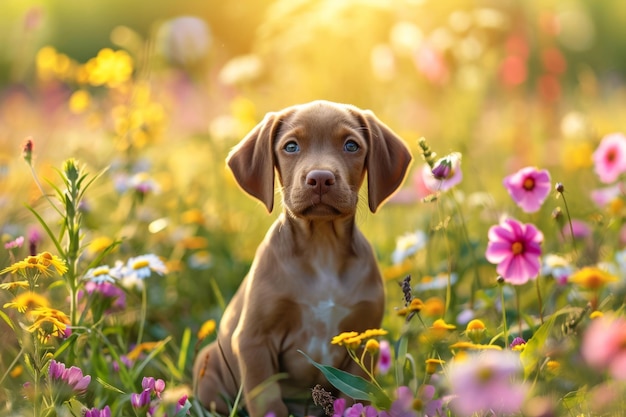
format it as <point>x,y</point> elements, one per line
<point>98,272</point>
<point>140,264</point>
<point>517,248</point>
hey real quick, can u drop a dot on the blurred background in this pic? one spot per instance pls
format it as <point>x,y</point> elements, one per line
<point>159,91</point>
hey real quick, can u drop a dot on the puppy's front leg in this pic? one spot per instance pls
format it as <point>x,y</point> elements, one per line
<point>258,362</point>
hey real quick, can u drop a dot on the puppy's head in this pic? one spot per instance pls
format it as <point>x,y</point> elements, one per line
<point>321,152</point>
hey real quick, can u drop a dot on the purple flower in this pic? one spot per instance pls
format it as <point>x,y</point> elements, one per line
<point>69,381</point>
<point>339,406</point>
<point>142,399</point>
<point>529,187</point>
<point>445,174</point>
<point>151,384</point>
<point>94,412</point>
<point>402,406</point>
<point>359,410</point>
<point>182,402</point>
<point>384,357</point>
<point>610,157</point>
<point>486,382</point>
<point>515,247</point>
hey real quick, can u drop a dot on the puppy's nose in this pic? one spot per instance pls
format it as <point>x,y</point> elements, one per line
<point>320,180</point>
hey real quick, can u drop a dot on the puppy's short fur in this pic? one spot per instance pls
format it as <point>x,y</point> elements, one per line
<point>314,275</point>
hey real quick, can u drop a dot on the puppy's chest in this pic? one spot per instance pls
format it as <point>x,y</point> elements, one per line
<point>325,306</point>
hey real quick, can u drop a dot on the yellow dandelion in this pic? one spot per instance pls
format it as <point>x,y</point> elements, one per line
<point>27,301</point>
<point>592,278</point>
<point>433,364</point>
<point>402,311</point>
<point>207,328</point>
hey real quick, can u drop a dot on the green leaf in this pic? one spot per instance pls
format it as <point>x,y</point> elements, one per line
<point>401,359</point>
<point>352,385</point>
<point>7,319</point>
<point>533,353</point>
<point>184,350</point>
<point>109,386</point>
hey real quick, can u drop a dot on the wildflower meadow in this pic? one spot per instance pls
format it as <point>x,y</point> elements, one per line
<point>124,235</point>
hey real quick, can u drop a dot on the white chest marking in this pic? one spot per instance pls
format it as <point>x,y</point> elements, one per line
<point>325,316</point>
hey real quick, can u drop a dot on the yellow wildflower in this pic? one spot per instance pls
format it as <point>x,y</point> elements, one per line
<point>416,305</point>
<point>353,343</point>
<point>433,307</point>
<point>475,330</point>
<point>207,328</point>
<point>596,314</point>
<point>79,101</point>
<point>16,371</point>
<point>341,338</point>
<point>372,346</point>
<point>10,286</point>
<point>592,278</point>
<point>372,333</point>
<point>49,322</point>
<point>432,364</point>
<point>473,346</point>
<point>440,324</point>
<point>133,355</point>
<point>27,301</point>
<point>40,263</point>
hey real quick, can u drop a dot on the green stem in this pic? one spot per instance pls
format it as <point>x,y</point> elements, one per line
<point>540,300</point>
<point>505,330</point>
<point>144,308</point>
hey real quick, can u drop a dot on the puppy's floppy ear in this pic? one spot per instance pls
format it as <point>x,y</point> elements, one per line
<point>252,160</point>
<point>387,162</point>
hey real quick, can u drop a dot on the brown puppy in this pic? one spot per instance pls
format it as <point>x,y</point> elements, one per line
<point>314,275</point>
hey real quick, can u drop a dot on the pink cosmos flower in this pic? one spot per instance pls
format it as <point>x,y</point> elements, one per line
<point>604,196</point>
<point>445,174</point>
<point>516,248</point>
<point>529,187</point>
<point>604,345</point>
<point>610,157</point>
<point>487,382</point>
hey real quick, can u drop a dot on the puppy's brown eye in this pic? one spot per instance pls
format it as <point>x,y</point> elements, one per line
<point>350,146</point>
<point>291,147</point>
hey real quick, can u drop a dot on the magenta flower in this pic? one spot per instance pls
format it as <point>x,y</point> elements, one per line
<point>610,157</point>
<point>445,173</point>
<point>516,248</point>
<point>529,187</point>
<point>95,412</point>
<point>604,196</point>
<point>67,381</point>
<point>486,382</point>
<point>384,357</point>
<point>604,346</point>
<point>403,405</point>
